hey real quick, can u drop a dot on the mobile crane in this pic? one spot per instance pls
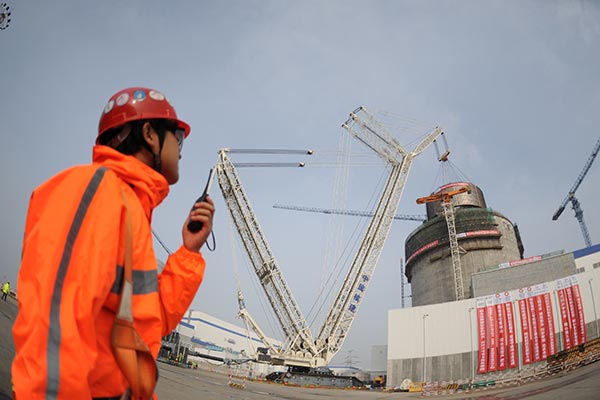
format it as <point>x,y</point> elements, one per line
<point>301,350</point>
<point>574,202</point>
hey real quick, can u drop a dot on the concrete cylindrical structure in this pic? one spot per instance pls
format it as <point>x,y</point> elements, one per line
<point>485,238</point>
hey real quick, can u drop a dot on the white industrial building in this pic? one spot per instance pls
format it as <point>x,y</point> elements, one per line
<point>440,341</point>
<point>211,336</point>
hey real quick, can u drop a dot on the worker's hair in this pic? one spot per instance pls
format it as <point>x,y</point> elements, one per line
<point>134,141</point>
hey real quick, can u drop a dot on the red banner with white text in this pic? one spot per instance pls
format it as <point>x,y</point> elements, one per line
<point>551,326</point>
<point>498,324</point>
<point>497,336</point>
<point>481,329</point>
<point>492,326</point>
<point>537,323</point>
<point>564,316</point>
<point>525,331</point>
<point>571,312</point>
<point>510,332</point>
<point>500,315</point>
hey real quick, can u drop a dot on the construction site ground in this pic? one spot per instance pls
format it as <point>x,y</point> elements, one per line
<point>199,384</point>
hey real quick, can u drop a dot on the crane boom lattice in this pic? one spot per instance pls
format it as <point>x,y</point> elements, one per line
<point>356,213</point>
<point>454,251</point>
<point>363,126</point>
<point>579,215</point>
<point>574,202</point>
<point>278,293</point>
<point>301,348</point>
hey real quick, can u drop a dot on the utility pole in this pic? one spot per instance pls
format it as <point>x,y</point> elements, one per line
<point>471,343</point>
<point>401,283</point>
<point>424,358</point>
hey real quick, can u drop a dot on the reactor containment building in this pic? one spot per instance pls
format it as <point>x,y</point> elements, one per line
<point>485,237</point>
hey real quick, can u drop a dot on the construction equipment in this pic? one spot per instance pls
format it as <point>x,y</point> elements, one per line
<point>574,202</point>
<point>446,199</point>
<point>301,350</point>
<point>405,217</point>
<point>379,381</point>
<point>245,315</point>
<point>442,157</point>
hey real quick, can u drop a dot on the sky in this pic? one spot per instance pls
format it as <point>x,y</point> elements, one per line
<point>513,84</point>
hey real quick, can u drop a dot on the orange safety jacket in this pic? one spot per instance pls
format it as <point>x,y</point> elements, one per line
<point>71,275</point>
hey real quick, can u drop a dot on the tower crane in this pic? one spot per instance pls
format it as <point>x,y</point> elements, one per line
<point>300,348</point>
<point>574,202</point>
<point>448,208</point>
<point>405,217</point>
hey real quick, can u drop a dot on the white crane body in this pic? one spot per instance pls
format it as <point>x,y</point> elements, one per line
<point>278,293</point>
<point>300,347</point>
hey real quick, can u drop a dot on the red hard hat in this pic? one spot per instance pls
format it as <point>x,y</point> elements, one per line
<point>137,103</point>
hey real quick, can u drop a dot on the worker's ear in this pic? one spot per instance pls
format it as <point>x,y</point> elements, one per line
<point>150,136</point>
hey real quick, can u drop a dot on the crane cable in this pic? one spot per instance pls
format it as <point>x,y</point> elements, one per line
<point>163,245</point>
<point>346,253</point>
<point>234,250</point>
<point>333,254</point>
<point>448,172</point>
<point>238,283</point>
<point>345,257</point>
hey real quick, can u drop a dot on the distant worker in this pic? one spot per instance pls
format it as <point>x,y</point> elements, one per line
<point>92,305</point>
<point>5,290</point>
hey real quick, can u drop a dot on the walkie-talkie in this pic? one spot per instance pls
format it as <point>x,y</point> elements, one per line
<point>195,226</point>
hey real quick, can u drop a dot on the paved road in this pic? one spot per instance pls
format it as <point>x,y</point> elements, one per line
<point>186,384</point>
<point>8,312</point>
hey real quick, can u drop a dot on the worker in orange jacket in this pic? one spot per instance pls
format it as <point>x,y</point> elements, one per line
<point>74,253</point>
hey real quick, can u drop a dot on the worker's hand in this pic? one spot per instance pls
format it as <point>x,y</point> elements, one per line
<point>202,212</point>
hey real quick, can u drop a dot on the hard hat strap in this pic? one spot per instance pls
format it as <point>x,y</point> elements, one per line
<point>160,129</point>
<point>157,164</point>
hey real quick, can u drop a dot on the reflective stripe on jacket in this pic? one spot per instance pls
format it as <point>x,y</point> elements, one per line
<point>71,273</point>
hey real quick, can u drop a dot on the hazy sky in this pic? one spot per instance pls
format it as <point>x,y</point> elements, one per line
<point>514,84</point>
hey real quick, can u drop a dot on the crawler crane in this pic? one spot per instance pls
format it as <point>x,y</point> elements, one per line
<point>300,349</point>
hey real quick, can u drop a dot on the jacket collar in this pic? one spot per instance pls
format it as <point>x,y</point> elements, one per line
<point>150,186</point>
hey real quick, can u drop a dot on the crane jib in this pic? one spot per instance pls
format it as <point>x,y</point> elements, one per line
<point>571,196</point>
